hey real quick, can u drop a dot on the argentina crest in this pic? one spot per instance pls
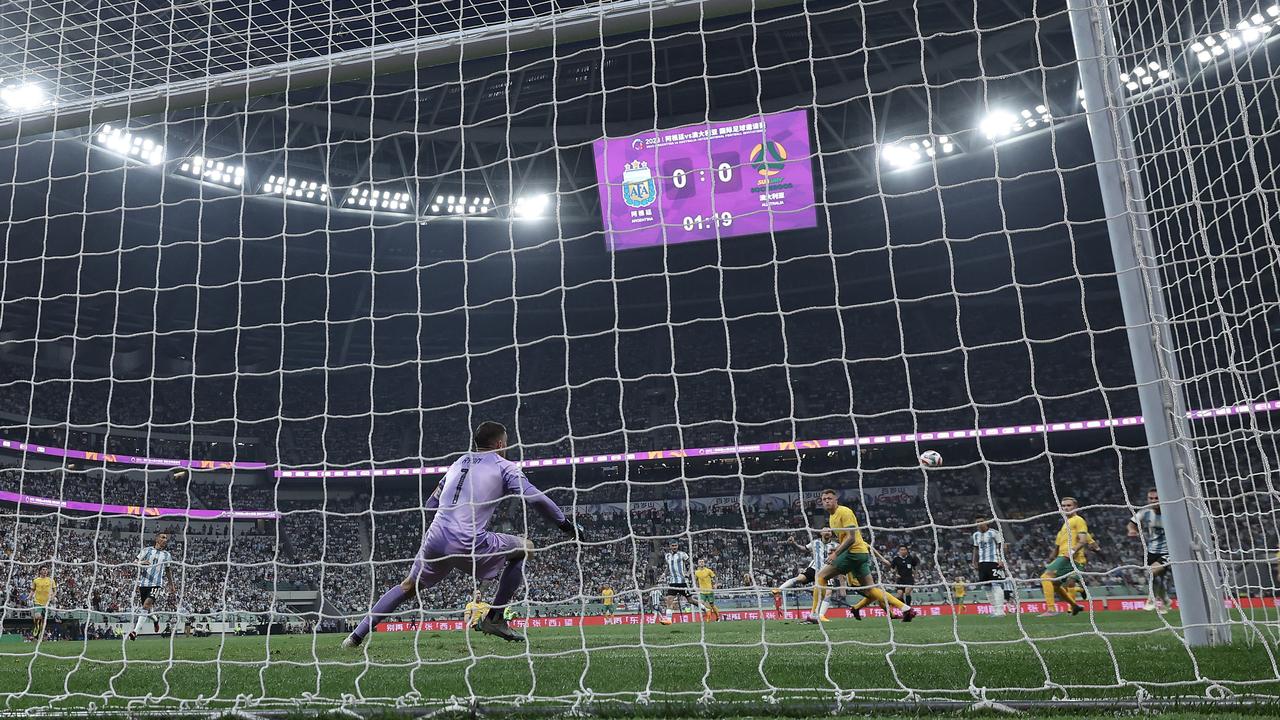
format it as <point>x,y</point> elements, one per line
<point>638,188</point>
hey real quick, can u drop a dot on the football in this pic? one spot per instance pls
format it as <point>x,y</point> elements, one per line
<point>930,458</point>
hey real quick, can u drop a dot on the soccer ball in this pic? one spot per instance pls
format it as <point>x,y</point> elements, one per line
<point>930,458</point>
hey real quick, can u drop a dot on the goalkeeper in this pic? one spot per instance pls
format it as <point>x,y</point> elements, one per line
<point>459,538</point>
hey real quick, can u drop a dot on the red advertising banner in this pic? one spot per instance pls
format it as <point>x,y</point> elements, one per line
<point>1108,605</point>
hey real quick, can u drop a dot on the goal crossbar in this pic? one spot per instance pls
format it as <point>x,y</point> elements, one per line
<point>601,20</point>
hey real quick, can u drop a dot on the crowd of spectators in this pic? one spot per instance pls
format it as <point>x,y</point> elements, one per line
<point>653,396</point>
<point>342,544</point>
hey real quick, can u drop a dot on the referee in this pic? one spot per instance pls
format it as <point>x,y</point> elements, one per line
<point>904,566</point>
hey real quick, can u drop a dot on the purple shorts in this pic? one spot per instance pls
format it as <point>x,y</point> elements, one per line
<point>484,557</point>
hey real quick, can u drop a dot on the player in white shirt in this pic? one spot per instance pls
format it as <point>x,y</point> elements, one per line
<point>655,601</point>
<point>679,570</point>
<point>988,558</point>
<point>1148,525</point>
<point>818,549</point>
<point>153,575</point>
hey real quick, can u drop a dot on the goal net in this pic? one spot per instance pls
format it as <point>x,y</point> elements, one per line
<point>267,267</point>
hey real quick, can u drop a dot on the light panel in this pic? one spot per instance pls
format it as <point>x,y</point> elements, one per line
<point>134,147</point>
<point>215,172</point>
<point>296,188</point>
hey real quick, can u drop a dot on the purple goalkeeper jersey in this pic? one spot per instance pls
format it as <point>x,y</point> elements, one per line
<point>470,493</point>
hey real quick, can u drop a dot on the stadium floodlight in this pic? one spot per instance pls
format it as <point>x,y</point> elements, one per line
<point>134,147</point>
<point>379,199</point>
<point>23,97</point>
<point>1246,32</point>
<point>461,204</point>
<point>1145,76</point>
<point>529,207</point>
<point>295,188</point>
<point>215,172</point>
<point>908,151</point>
<point>999,124</point>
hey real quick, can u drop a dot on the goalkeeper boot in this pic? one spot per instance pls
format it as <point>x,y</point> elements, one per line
<point>1076,609</point>
<point>498,627</point>
<point>909,614</point>
<point>351,642</point>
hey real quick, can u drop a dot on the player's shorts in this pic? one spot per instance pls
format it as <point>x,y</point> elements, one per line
<point>707,597</point>
<point>608,609</point>
<point>987,572</point>
<point>40,607</point>
<point>679,590</point>
<point>1156,558</point>
<point>1060,567</point>
<point>484,558</point>
<point>809,574</point>
<point>856,564</point>
<point>146,592</point>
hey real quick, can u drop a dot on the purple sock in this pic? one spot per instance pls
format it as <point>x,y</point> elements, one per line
<point>386,604</point>
<point>510,580</point>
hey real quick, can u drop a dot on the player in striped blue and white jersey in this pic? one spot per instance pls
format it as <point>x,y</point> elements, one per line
<point>988,558</point>
<point>153,576</point>
<point>818,549</point>
<point>679,569</point>
<point>1148,525</point>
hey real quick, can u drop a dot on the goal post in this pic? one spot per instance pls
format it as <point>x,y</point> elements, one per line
<point>1192,550</point>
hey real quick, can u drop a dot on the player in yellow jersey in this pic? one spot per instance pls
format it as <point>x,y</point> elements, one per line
<point>705,577</point>
<point>1068,558</point>
<point>852,556</point>
<point>42,588</point>
<point>961,587</point>
<point>475,610</point>
<point>856,609</point>
<point>606,599</point>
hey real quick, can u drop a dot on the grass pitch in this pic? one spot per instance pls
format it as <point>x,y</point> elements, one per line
<point>1114,655</point>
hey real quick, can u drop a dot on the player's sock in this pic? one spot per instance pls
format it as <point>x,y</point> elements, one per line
<point>822,607</point>
<point>508,583</point>
<point>862,602</point>
<point>137,623</point>
<point>386,604</point>
<point>1066,594</point>
<point>669,613</point>
<point>884,597</point>
<point>1046,585</point>
<point>789,583</point>
<point>819,596</point>
<point>1160,587</point>
<point>997,600</point>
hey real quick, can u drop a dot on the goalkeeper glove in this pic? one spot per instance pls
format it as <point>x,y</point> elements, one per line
<point>573,529</point>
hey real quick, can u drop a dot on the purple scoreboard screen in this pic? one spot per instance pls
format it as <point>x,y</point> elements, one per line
<point>704,181</point>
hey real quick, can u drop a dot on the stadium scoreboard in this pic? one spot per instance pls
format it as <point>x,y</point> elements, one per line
<point>697,182</point>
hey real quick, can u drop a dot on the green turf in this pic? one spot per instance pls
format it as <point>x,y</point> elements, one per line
<point>1013,659</point>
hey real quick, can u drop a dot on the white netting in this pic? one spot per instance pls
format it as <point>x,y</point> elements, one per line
<point>1204,113</point>
<point>313,275</point>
